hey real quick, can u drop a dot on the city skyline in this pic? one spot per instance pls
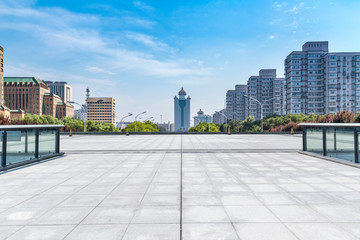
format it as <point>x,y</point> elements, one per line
<point>141,50</point>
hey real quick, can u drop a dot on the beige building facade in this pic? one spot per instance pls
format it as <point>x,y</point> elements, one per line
<point>101,109</point>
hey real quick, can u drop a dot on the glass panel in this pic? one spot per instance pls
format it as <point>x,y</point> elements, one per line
<point>20,146</point>
<point>314,140</point>
<point>46,142</point>
<point>343,144</point>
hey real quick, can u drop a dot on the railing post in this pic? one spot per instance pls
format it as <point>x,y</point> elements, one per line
<point>57,140</point>
<point>26,141</point>
<point>304,139</point>
<point>324,141</point>
<point>4,145</point>
<point>334,139</point>
<point>37,143</point>
<point>356,146</point>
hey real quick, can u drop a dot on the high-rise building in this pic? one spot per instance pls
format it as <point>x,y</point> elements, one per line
<point>342,82</point>
<point>219,118</point>
<point>235,103</point>
<point>201,117</point>
<point>230,104</point>
<point>182,112</point>
<point>1,76</point>
<point>268,90</point>
<point>33,96</point>
<point>62,89</point>
<point>320,82</point>
<point>305,79</point>
<point>101,109</point>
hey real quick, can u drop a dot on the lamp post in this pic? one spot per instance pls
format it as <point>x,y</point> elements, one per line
<point>261,108</point>
<point>122,119</point>
<point>137,117</point>
<point>82,107</point>
<point>150,118</point>
<point>225,118</point>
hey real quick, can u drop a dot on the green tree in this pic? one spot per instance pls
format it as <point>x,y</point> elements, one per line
<point>204,127</point>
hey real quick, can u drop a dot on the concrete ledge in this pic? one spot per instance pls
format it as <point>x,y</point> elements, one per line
<point>331,159</point>
<point>174,133</point>
<point>29,162</point>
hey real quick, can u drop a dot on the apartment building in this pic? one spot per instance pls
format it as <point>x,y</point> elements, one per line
<point>218,117</point>
<point>101,109</point>
<point>305,79</point>
<point>267,89</point>
<point>235,103</point>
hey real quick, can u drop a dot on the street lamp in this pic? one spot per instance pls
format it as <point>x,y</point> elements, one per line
<point>82,107</point>
<point>225,118</point>
<point>148,119</point>
<point>261,108</point>
<point>137,117</point>
<point>129,114</point>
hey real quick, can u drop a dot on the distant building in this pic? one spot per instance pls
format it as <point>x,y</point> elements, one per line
<point>165,126</point>
<point>219,118</point>
<point>269,90</point>
<point>81,113</point>
<point>235,103</point>
<point>33,96</point>
<point>101,109</point>
<point>321,82</point>
<point>62,89</point>
<point>182,112</point>
<point>201,117</point>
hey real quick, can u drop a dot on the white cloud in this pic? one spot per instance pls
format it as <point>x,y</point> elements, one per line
<point>94,69</point>
<point>143,6</point>
<point>271,37</point>
<point>149,41</point>
<point>72,34</point>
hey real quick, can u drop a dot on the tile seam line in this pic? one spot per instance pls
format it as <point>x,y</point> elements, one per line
<point>181,183</point>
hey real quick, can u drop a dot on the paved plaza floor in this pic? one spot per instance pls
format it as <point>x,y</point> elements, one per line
<point>172,187</point>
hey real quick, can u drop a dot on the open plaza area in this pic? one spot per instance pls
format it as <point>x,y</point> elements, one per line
<point>181,187</point>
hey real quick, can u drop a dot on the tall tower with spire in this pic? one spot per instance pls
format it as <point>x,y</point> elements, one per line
<point>182,112</point>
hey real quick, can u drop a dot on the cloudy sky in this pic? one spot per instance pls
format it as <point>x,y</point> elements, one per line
<point>143,52</point>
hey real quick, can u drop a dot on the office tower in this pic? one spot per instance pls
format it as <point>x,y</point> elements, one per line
<point>182,112</point>
<point>62,89</point>
<point>268,90</point>
<point>305,79</point>
<point>218,117</point>
<point>33,96</point>
<point>1,76</point>
<point>201,117</point>
<point>101,109</point>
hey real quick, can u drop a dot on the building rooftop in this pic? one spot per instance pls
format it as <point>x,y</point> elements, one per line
<point>34,80</point>
<point>197,186</point>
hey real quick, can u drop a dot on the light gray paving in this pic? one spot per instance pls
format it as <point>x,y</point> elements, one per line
<point>194,186</point>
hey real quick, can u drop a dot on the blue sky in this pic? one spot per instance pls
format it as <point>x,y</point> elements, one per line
<point>143,52</point>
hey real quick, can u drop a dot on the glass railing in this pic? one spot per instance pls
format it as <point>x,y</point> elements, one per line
<point>23,144</point>
<point>336,140</point>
